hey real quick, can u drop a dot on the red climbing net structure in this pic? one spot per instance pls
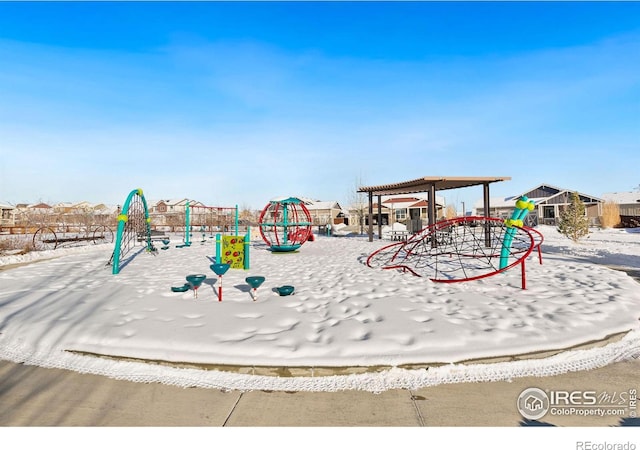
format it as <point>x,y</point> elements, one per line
<point>285,224</point>
<point>461,249</point>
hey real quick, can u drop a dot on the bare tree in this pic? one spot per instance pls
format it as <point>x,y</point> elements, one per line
<point>247,215</point>
<point>358,202</point>
<point>175,220</point>
<point>450,212</point>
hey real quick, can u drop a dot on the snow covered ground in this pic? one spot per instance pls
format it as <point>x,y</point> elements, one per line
<point>65,307</point>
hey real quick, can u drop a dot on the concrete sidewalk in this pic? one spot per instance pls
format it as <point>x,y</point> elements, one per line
<point>33,396</point>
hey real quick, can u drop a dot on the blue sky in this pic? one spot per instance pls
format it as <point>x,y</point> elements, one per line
<point>239,102</point>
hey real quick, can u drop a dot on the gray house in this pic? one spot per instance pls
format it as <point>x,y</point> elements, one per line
<point>550,202</point>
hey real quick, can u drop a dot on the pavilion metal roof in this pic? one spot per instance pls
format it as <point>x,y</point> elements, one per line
<point>424,184</point>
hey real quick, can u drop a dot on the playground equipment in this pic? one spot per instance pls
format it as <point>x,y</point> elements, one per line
<point>464,249</point>
<point>134,226</point>
<point>233,250</point>
<point>255,282</point>
<point>195,281</point>
<point>285,224</point>
<point>208,216</point>
<point>285,290</point>
<point>523,206</point>
<point>184,288</point>
<point>47,238</point>
<point>219,269</point>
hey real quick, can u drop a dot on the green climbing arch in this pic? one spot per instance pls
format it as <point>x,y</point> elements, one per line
<point>134,225</point>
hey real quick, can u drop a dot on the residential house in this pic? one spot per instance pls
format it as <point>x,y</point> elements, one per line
<point>171,206</point>
<point>172,213</point>
<point>550,202</point>
<point>167,213</point>
<point>7,215</point>
<point>410,211</point>
<point>501,208</point>
<point>83,206</point>
<point>360,211</point>
<point>38,207</point>
<point>63,208</point>
<point>34,214</point>
<point>105,214</point>
<point>628,205</point>
<point>325,212</point>
<point>213,217</point>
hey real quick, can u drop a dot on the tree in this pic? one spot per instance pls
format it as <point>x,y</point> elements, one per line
<point>247,215</point>
<point>574,223</point>
<point>358,203</point>
<point>450,212</point>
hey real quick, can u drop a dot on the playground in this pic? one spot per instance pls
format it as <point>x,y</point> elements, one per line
<point>345,326</point>
<point>466,299</point>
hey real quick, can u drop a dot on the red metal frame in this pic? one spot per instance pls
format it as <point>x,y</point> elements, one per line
<point>297,234</point>
<point>409,246</point>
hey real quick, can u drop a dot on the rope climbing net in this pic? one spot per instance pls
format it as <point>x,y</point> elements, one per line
<point>461,249</point>
<point>133,227</point>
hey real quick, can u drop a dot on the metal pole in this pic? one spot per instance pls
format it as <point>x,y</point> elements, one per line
<point>379,216</point>
<point>246,249</point>
<point>236,220</point>
<point>218,248</point>
<point>187,223</point>
<point>285,222</point>
<point>432,210</point>
<point>370,216</point>
<point>487,226</point>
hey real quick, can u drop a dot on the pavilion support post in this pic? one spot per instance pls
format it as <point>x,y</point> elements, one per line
<point>370,216</point>
<point>379,216</point>
<point>487,225</point>
<point>432,210</point>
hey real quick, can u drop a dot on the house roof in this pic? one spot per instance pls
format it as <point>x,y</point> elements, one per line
<point>497,202</point>
<point>509,202</point>
<point>173,201</point>
<point>400,200</point>
<point>585,198</point>
<point>560,191</point>
<point>421,204</point>
<point>82,204</point>
<point>542,186</point>
<point>424,184</point>
<point>323,205</point>
<point>311,204</point>
<point>40,205</point>
<point>623,198</point>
